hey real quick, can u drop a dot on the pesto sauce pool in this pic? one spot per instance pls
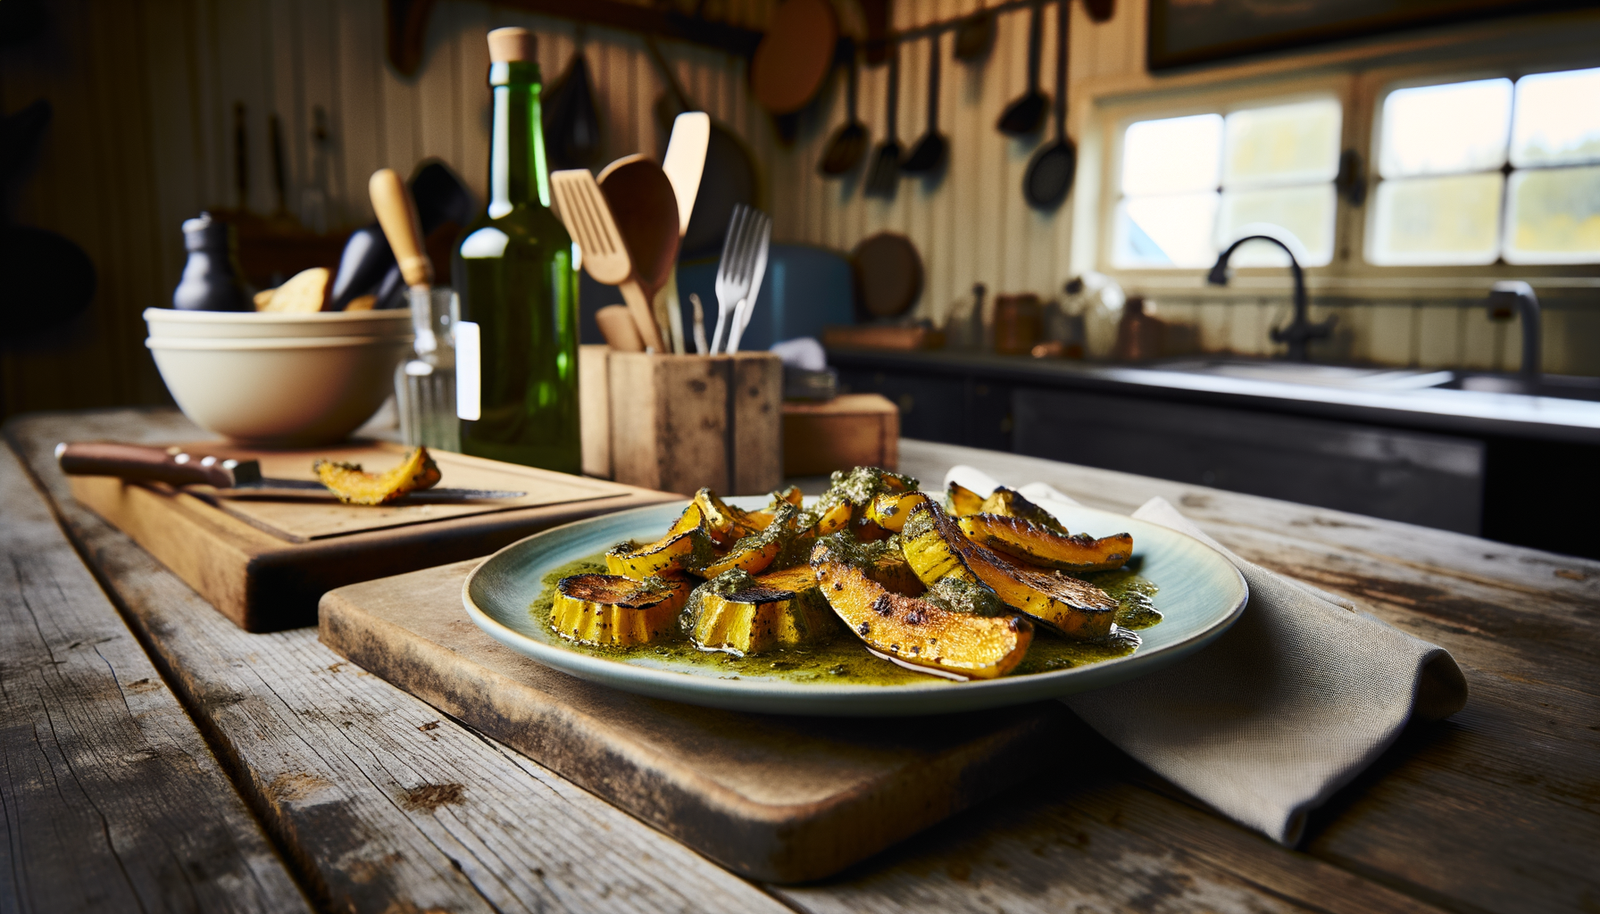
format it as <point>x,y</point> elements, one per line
<point>845,658</point>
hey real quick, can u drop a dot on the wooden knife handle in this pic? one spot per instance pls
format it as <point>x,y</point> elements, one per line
<point>148,464</point>
<point>398,216</point>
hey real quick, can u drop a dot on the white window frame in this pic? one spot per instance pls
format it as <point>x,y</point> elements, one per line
<point>1360,78</point>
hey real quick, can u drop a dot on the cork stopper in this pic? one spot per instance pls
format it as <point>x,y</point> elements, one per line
<point>511,45</point>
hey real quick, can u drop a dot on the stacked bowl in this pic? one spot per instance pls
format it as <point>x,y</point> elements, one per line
<point>279,380</point>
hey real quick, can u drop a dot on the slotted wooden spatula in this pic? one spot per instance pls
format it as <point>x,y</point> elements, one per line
<point>588,219</point>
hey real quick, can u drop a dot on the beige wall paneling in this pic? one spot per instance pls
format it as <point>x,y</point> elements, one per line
<point>474,105</point>
<point>1439,334</point>
<point>359,123</point>
<point>439,123</point>
<point>317,53</point>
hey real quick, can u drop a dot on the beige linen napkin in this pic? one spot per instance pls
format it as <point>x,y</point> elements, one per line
<point>1287,706</point>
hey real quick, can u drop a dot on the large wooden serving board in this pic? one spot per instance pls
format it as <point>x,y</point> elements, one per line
<point>264,564</point>
<point>785,799</point>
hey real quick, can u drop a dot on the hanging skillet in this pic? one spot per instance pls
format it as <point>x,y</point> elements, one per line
<point>1050,174</point>
<point>929,152</point>
<point>1023,116</point>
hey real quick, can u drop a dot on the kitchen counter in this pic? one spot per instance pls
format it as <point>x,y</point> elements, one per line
<point>1397,402</point>
<point>1380,442</point>
<point>160,759</point>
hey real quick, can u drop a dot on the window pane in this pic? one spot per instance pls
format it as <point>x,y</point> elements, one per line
<point>1453,220</point>
<point>1558,119</point>
<point>1303,212</point>
<point>1450,128</point>
<point>1285,144</point>
<point>1171,156</point>
<point>1173,231</point>
<point>1554,216</point>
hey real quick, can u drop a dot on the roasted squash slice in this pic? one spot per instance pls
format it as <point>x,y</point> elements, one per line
<point>963,501</point>
<point>936,548</point>
<point>753,553</point>
<point>740,614</point>
<point>790,496</point>
<point>675,552</point>
<point>914,631</point>
<point>725,523</point>
<point>889,509</point>
<point>356,487</point>
<point>1010,503</point>
<point>609,609</point>
<point>1018,539</point>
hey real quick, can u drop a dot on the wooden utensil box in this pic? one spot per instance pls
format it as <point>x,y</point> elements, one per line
<point>265,564</point>
<point>677,423</point>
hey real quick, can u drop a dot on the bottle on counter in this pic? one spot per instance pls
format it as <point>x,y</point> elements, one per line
<point>212,279</point>
<point>514,269</point>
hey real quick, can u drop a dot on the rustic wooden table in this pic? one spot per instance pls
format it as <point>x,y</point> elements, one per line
<point>153,757</point>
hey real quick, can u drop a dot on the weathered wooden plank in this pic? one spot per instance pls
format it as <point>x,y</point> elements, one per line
<point>1095,844</point>
<point>110,798</point>
<point>382,804</point>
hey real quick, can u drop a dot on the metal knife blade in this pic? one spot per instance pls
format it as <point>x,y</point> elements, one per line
<point>306,488</point>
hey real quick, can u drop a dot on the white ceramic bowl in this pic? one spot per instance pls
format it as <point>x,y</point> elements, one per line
<point>284,392</point>
<point>168,323</point>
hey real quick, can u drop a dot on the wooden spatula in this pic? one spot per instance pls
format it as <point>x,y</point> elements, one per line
<point>588,219</point>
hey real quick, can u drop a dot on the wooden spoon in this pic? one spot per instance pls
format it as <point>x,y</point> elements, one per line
<point>645,208</point>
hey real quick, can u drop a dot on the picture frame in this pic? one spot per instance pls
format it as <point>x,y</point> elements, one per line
<point>1187,33</point>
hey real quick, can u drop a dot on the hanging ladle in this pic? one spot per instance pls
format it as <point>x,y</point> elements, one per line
<point>1023,116</point>
<point>1049,175</point>
<point>929,152</point>
<point>849,143</point>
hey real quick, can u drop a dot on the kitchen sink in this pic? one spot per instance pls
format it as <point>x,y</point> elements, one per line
<point>1567,387</point>
<point>1349,377</point>
<point>1342,376</point>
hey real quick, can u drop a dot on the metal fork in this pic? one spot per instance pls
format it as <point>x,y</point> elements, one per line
<point>741,315</point>
<point>736,270</point>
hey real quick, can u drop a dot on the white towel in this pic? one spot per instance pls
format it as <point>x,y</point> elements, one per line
<point>1297,698</point>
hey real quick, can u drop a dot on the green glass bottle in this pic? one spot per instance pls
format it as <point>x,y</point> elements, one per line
<point>518,398</point>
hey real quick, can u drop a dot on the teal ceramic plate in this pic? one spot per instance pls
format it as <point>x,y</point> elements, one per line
<point>1200,595</point>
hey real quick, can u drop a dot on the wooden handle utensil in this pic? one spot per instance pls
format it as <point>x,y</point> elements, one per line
<point>398,216</point>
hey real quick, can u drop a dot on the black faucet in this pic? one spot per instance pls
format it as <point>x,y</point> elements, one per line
<point>1506,296</point>
<point>1301,330</point>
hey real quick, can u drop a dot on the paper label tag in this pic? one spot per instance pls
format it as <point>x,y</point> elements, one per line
<point>469,376</point>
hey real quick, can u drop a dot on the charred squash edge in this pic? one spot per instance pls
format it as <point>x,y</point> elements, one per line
<point>1016,538</point>
<point>616,610</point>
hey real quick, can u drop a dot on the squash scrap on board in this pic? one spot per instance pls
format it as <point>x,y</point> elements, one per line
<point>355,486</point>
<point>916,632</point>
<point>609,609</point>
<point>1035,545</point>
<point>936,548</point>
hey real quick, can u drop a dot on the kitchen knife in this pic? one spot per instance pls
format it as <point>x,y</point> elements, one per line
<point>231,478</point>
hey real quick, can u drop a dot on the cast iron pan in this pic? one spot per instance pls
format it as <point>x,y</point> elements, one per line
<point>1050,174</point>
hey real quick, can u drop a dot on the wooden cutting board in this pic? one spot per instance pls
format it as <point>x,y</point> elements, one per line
<point>785,799</point>
<point>264,564</point>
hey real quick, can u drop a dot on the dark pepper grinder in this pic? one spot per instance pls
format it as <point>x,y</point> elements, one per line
<point>212,279</point>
